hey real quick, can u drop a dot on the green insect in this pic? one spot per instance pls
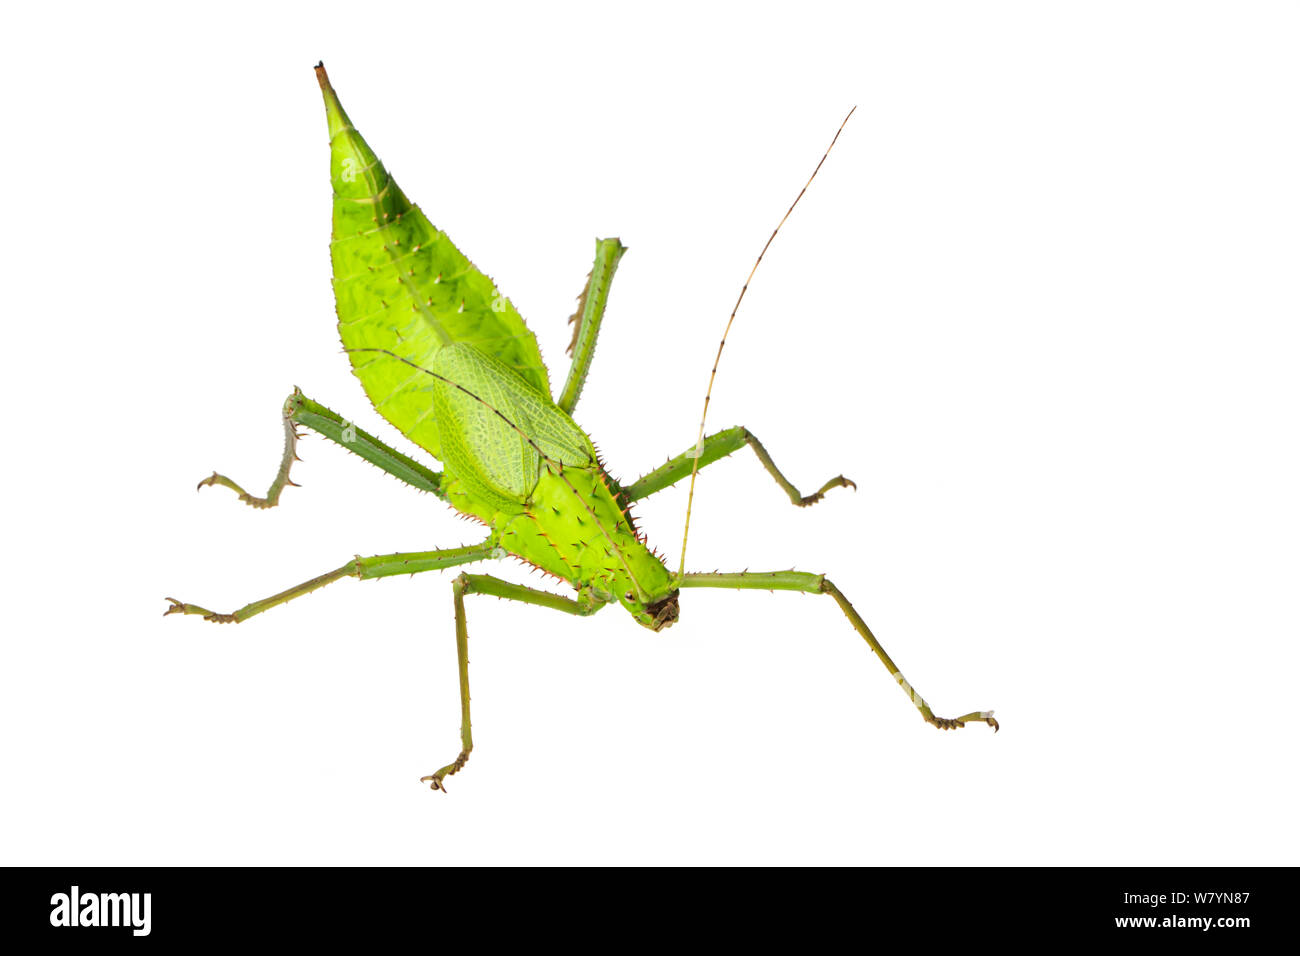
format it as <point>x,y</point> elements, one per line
<point>447,360</point>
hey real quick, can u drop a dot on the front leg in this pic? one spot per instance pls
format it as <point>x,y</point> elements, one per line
<point>820,584</point>
<point>717,446</point>
<point>586,604</point>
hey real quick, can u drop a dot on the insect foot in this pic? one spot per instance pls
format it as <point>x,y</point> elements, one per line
<point>179,607</point>
<point>250,500</point>
<point>435,779</point>
<point>839,481</point>
<point>217,479</point>
<point>951,723</point>
<point>291,438</point>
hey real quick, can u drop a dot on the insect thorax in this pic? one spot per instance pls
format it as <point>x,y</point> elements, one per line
<point>574,526</point>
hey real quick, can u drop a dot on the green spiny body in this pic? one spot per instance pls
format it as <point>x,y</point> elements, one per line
<point>445,358</point>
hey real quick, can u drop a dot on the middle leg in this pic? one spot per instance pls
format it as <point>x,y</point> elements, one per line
<point>376,566</point>
<point>586,604</point>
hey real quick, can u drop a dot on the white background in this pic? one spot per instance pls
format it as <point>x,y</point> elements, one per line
<point>1041,303</point>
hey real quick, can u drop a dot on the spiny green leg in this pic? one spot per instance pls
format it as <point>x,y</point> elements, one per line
<point>820,584</point>
<point>272,498</point>
<point>301,410</point>
<point>717,446</point>
<point>586,604</point>
<point>586,320</point>
<point>377,566</point>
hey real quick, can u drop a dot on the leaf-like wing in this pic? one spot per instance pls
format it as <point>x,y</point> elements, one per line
<point>401,285</point>
<point>479,415</point>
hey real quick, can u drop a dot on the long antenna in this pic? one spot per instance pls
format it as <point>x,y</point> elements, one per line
<point>699,441</point>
